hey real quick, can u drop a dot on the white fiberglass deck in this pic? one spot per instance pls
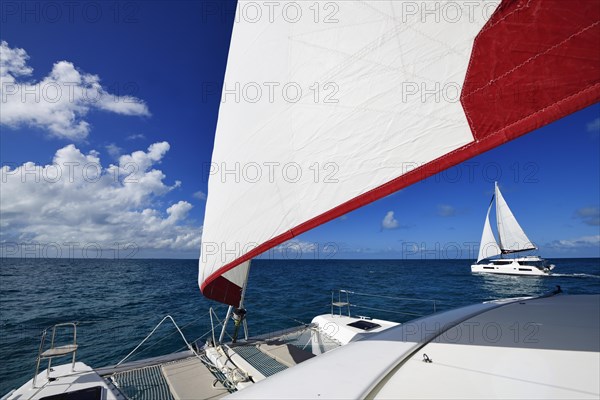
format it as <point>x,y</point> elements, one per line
<point>82,378</point>
<point>337,327</point>
<point>528,348</point>
<point>541,348</point>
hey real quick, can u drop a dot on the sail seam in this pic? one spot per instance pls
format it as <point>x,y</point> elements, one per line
<point>492,23</point>
<point>490,26</point>
<point>541,110</point>
<point>485,28</point>
<point>533,57</point>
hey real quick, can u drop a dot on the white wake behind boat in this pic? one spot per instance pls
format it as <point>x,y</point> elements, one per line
<point>370,112</point>
<point>512,240</point>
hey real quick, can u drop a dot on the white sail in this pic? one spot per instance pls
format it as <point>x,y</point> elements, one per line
<point>325,112</point>
<point>488,246</point>
<point>511,235</point>
<point>314,116</point>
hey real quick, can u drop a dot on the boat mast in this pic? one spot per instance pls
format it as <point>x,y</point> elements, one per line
<point>242,309</point>
<point>495,197</point>
<point>238,312</point>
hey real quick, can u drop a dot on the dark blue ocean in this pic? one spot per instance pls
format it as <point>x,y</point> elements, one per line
<point>118,302</point>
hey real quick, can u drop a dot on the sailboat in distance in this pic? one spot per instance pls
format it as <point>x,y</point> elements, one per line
<point>512,239</point>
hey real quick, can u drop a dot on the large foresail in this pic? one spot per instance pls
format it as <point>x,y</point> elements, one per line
<point>511,235</point>
<point>488,247</point>
<point>328,106</point>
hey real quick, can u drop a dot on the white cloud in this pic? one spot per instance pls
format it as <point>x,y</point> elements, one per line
<point>200,195</point>
<point>77,200</point>
<point>13,61</point>
<point>114,150</point>
<point>178,212</point>
<point>389,222</point>
<point>135,136</point>
<point>584,241</point>
<point>59,102</point>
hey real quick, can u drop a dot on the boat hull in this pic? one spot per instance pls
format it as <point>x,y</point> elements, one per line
<point>522,266</point>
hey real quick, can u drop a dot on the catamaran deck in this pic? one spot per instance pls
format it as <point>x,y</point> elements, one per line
<point>210,374</point>
<point>193,377</point>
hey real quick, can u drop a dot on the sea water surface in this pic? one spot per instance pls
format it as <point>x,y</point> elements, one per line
<point>118,302</point>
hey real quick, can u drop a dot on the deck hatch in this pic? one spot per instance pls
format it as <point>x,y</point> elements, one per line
<point>364,325</point>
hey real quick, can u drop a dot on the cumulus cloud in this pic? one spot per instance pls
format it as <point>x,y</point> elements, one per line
<point>13,61</point>
<point>59,102</point>
<point>589,215</point>
<point>76,199</point>
<point>389,222</point>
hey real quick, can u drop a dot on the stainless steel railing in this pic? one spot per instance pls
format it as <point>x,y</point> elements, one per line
<point>55,351</point>
<point>343,300</point>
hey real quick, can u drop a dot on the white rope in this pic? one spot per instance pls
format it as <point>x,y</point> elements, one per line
<point>229,373</point>
<point>151,333</point>
<point>183,327</point>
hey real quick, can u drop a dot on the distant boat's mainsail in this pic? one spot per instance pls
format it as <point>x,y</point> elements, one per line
<point>318,118</point>
<point>511,235</point>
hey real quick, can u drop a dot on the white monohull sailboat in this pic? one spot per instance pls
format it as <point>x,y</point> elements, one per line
<point>390,118</point>
<point>512,240</point>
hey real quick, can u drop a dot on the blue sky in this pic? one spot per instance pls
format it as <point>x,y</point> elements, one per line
<point>162,64</point>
